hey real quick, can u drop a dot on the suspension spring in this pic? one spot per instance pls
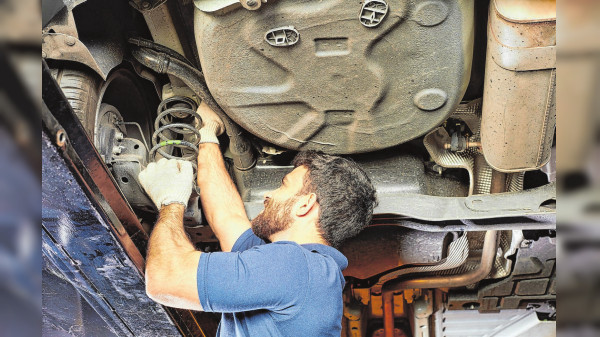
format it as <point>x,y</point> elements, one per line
<point>177,118</point>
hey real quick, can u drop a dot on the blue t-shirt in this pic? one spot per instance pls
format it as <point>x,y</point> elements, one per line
<point>276,289</point>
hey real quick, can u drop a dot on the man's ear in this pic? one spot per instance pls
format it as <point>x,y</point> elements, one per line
<point>305,204</point>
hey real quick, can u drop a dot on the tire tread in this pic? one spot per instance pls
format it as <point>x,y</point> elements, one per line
<point>81,90</point>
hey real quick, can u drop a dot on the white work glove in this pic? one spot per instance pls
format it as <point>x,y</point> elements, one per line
<point>168,181</point>
<point>212,125</point>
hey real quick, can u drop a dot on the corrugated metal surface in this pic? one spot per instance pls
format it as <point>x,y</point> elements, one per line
<point>507,323</point>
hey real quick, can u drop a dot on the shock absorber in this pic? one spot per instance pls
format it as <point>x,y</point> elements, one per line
<point>177,135</point>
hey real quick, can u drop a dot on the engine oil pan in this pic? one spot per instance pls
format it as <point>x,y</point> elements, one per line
<point>337,76</point>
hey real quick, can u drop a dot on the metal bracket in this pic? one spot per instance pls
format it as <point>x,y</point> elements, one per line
<point>423,308</point>
<point>514,204</point>
<point>63,24</point>
<point>65,47</point>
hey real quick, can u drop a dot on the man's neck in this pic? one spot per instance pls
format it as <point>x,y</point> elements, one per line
<point>300,238</point>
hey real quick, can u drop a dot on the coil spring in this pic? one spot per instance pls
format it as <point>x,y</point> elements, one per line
<point>176,107</point>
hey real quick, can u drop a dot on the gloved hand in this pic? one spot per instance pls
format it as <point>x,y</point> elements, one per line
<point>168,181</point>
<point>212,125</point>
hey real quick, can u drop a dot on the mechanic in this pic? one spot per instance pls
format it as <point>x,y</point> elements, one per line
<point>289,287</point>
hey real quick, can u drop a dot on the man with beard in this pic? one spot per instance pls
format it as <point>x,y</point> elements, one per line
<point>291,286</point>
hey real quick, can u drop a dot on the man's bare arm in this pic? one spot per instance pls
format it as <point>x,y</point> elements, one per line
<point>172,262</point>
<point>221,201</point>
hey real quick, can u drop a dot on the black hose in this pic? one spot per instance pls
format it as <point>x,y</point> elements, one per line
<point>140,42</point>
<point>243,156</point>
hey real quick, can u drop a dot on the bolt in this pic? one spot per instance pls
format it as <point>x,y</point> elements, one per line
<point>146,5</point>
<point>119,136</point>
<point>471,144</point>
<point>526,243</point>
<point>251,3</point>
<point>44,54</point>
<point>70,41</point>
<point>117,150</point>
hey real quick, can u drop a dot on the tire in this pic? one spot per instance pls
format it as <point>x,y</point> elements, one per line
<point>82,90</point>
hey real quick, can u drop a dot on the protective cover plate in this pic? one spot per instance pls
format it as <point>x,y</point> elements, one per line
<point>342,87</point>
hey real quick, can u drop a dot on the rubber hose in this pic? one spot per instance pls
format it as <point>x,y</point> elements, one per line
<point>243,156</point>
<point>143,43</point>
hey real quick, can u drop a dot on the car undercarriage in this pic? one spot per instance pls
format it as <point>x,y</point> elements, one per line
<point>448,105</point>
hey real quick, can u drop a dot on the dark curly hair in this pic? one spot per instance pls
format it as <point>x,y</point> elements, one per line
<point>344,192</point>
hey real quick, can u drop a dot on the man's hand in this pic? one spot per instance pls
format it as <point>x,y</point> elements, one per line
<point>212,125</point>
<point>168,182</point>
<point>172,260</point>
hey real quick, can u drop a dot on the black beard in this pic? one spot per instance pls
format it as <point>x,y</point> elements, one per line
<point>275,218</point>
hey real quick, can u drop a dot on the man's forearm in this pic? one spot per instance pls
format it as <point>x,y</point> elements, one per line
<point>168,234</point>
<point>168,239</point>
<point>171,261</point>
<point>221,202</point>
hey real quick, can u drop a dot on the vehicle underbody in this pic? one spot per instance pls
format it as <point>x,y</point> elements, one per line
<point>449,106</point>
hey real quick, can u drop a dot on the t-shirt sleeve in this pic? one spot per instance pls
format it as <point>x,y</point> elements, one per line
<point>246,241</point>
<point>271,277</point>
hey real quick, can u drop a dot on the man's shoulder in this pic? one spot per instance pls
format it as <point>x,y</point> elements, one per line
<point>246,241</point>
<point>303,255</point>
<point>281,247</point>
<point>332,255</point>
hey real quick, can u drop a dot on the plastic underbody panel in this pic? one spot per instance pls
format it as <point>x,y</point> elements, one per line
<point>331,83</point>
